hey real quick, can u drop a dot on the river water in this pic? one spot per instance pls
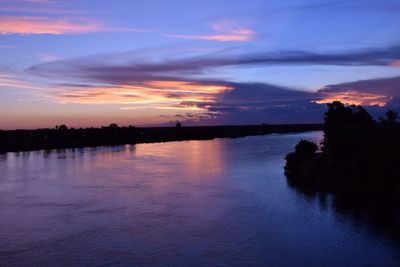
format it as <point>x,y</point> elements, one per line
<point>222,202</point>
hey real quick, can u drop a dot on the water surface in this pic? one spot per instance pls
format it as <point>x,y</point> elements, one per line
<point>223,202</point>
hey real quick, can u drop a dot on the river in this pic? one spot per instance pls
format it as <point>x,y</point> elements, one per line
<point>222,202</point>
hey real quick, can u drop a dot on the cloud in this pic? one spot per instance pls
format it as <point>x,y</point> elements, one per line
<point>254,103</point>
<point>175,85</point>
<point>148,94</point>
<point>43,25</point>
<point>133,69</point>
<point>248,103</point>
<point>165,96</point>
<point>49,57</point>
<point>224,31</point>
<point>355,98</point>
<point>272,113</point>
<point>26,25</point>
<point>366,92</point>
<point>7,46</point>
<point>13,81</point>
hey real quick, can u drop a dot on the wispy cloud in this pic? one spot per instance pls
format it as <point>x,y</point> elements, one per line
<point>49,57</point>
<point>43,25</point>
<point>150,94</point>
<point>26,25</point>
<point>132,70</point>
<point>7,46</point>
<point>224,31</point>
<point>13,81</point>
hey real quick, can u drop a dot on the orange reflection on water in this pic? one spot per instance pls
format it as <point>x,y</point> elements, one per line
<point>197,160</point>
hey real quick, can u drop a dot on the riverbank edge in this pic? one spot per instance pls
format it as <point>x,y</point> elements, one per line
<point>48,139</point>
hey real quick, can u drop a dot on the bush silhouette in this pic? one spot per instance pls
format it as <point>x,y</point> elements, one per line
<point>299,162</point>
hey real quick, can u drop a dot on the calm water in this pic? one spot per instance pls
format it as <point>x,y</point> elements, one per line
<point>196,203</point>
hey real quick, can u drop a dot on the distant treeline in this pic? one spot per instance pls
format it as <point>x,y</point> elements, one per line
<point>64,137</point>
<point>358,161</point>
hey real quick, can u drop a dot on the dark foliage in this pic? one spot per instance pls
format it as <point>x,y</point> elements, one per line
<point>359,160</point>
<point>302,160</point>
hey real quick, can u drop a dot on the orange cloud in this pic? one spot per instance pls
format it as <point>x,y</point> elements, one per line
<point>150,94</point>
<point>42,25</point>
<point>355,98</point>
<point>225,31</point>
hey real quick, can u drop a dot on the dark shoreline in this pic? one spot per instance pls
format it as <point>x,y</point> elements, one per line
<point>28,140</point>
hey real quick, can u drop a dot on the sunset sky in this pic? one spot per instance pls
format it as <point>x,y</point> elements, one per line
<point>91,63</point>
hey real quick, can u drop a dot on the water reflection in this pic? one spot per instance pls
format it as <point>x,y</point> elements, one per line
<point>223,202</point>
<point>193,159</point>
<point>376,220</point>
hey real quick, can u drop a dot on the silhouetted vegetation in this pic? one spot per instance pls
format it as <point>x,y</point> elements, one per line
<point>112,126</point>
<point>62,127</point>
<point>358,161</point>
<point>64,137</point>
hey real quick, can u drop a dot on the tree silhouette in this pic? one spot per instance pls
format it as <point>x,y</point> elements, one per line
<point>113,126</point>
<point>346,128</point>
<point>62,127</point>
<point>359,159</point>
<point>391,117</point>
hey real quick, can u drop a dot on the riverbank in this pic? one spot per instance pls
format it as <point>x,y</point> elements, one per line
<point>27,140</point>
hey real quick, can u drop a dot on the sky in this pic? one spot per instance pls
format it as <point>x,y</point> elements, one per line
<point>87,63</point>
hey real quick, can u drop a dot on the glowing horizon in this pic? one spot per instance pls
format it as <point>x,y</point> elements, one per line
<point>90,64</point>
